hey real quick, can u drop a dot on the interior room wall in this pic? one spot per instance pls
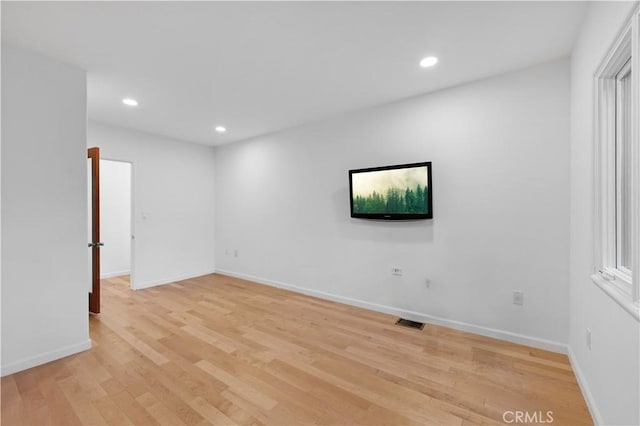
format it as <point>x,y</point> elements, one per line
<point>44,225</point>
<point>115,218</point>
<point>609,372</point>
<point>500,153</point>
<point>173,202</point>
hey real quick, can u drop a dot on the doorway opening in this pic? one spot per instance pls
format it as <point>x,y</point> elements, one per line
<point>116,224</point>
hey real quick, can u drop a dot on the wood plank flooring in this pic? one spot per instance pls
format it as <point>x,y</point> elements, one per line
<point>219,350</point>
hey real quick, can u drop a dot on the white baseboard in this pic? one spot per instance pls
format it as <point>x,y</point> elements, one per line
<point>147,284</point>
<point>415,316</point>
<point>114,274</point>
<point>586,391</point>
<point>44,358</point>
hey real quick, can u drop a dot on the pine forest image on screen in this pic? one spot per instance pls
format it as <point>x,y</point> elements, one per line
<point>401,191</point>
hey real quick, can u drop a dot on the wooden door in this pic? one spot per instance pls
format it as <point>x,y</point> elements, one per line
<point>94,297</point>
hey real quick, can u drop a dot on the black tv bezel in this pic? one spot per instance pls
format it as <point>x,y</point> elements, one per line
<point>393,216</point>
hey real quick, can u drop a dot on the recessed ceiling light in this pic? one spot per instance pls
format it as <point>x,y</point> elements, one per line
<point>429,61</point>
<point>130,102</point>
<point>221,129</point>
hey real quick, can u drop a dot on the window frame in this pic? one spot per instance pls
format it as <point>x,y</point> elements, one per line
<point>616,280</point>
<point>623,272</point>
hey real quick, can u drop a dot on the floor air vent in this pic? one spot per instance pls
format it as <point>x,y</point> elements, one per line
<point>411,324</point>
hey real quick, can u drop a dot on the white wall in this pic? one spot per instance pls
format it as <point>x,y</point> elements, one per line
<point>44,225</point>
<point>500,153</point>
<point>115,218</point>
<point>609,373</point>
<point>173,185</point>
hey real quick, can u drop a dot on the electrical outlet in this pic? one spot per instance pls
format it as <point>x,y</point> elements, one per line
<point>396,271</point>
<point>588,338</point>
<point>427,282</point>
<point>235,253</point>
<point>518,298</point>
<point>226,252</point>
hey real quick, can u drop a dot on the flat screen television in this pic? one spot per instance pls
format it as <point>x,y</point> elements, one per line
<point>401,192</point>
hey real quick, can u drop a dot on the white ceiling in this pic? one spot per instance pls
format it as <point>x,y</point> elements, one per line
<point>259,67</point>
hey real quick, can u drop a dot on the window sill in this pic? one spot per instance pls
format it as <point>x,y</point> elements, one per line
<point>618,296</point>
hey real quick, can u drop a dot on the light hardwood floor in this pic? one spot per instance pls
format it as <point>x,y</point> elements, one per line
<point>219,350</point>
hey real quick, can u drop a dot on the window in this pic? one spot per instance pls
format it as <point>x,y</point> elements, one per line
<point>623,170</point>
<point>617,170</point>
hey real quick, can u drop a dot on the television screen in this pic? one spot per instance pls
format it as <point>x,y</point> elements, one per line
<point>392,193</point>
